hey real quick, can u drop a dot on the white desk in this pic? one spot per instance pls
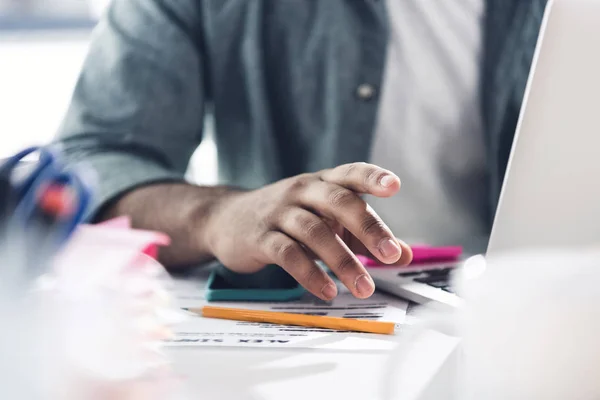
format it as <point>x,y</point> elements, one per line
<point>252,374</point>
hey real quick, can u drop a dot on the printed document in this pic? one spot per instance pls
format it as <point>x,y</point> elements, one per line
<point>199,331</point>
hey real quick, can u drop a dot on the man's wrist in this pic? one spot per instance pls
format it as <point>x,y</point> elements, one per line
<point>209,216</point>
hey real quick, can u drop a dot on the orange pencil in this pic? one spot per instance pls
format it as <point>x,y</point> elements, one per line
<point>272,317</point>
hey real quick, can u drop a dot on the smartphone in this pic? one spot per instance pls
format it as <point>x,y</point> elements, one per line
<point>271,284</point>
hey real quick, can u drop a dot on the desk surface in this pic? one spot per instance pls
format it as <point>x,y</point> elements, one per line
<point>254,373</point>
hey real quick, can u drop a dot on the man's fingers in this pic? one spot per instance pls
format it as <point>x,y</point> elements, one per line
<point>358,247</point>
<point>318,236</point>
<point>407,254</point>
<point>356,216</point>
<point>287,253</point>
<point>363,178</point>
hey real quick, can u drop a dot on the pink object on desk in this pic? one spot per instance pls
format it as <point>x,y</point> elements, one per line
<point>119,222</point>
<point>107,288</point>
<point>154,239</point>
<point>423,253</point>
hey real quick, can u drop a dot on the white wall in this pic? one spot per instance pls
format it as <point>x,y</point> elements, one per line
<point>38,72</point>
<point>37,76</point>
<point>63,8</point>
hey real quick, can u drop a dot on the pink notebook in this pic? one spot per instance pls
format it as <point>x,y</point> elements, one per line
<point>423,254</point>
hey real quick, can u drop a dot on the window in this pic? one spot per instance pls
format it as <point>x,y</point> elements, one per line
<point>28,15</point>
<point>42,46</point>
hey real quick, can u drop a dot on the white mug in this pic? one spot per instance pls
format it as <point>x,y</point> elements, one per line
<point>529,328</point>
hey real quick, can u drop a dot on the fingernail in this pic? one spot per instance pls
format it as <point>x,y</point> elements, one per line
<point>389,249</point>
<point>364,285</point>
<point>387,181</point>
<point>329,291</point>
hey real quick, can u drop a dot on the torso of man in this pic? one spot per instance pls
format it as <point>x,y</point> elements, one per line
<point>429,129</point>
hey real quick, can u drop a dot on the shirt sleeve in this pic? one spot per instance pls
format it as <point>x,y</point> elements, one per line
<point>137,111</point>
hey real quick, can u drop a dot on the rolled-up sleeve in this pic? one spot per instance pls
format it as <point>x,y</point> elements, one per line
<point>137,111</point>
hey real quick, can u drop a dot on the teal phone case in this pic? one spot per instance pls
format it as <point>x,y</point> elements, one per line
<point>270,284</point>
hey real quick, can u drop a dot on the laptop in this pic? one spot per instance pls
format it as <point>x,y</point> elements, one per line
<point>551,191</point>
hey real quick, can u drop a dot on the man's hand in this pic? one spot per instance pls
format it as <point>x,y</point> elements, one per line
<point>321,215</point>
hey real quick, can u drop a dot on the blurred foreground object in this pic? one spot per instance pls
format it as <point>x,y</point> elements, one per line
<point>541,342</point>
<point>41,204</point>
<point>92,326</point>
<point>107,301</point>
<point>84,307</point>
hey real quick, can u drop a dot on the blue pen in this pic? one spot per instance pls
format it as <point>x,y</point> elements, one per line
<point>29,204</point>
<point>45,165</point>
<point>36,226</point>
<point>46,170</point>
<point>48,226</point>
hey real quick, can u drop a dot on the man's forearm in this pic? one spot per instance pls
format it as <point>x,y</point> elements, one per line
<point>181,211</point>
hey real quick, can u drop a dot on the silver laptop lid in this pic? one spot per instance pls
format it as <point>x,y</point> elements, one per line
<point>551,192</point>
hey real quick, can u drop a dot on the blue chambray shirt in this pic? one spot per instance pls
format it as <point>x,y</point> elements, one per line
<point>280,77</point>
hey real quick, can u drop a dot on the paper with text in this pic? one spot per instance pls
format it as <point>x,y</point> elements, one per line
<point>199,331</point>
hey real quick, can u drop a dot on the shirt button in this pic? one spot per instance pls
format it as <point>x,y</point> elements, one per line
<point>365,91</point>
